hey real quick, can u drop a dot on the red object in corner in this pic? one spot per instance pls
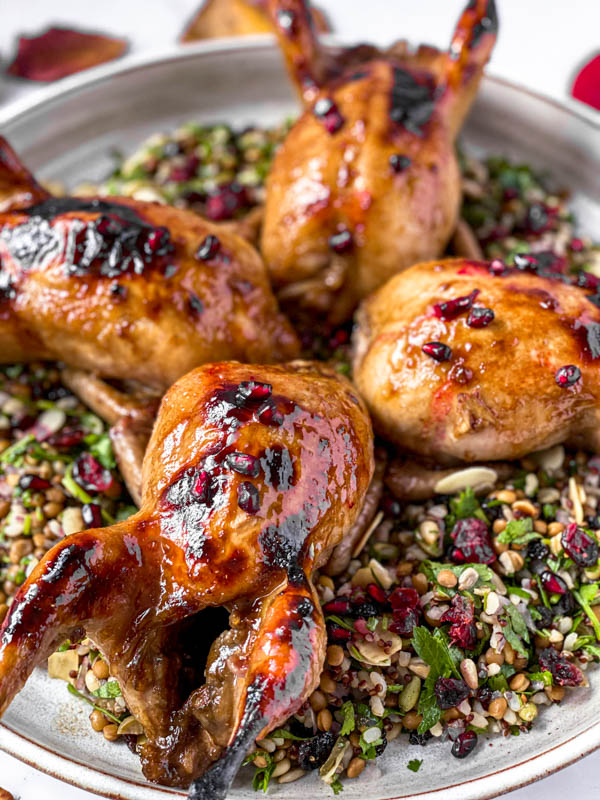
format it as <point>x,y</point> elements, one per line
<point>59,51</point>
<point>586,86</point>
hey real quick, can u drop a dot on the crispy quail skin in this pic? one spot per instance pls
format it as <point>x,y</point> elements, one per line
<point>128,289</point>
<point>471,361</point>
<point>367,183</point>
<point>252,476</point>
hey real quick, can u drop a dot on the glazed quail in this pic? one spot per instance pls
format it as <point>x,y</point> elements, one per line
<point>367,182</point>
<point>252,476</point>
<point>472,361</point>
<point>127,289</point>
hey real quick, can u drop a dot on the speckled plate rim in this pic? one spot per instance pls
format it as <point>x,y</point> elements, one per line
<point>542,764</point>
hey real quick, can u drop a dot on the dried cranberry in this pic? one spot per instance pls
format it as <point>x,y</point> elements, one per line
<point>33,482</point>
<point>399,163</point>
<point>91,475</point>
<point>252,391</point>
<point>420,739</point>
<point>248,497</point>
<point>563,672</point>
<point>315,752</point>
<point>454,308</point>
<point>405,621</point>
<point>341,242</point>
<point>472,542</point>
<point>437,350</point>
<point>69,436</point>
<point>339,605</point>
<point>580,545</point>
<point>226,202</point>
<point>209,248</point>
<point>91,514</point>
<point>553,583</point>
<point>450,692</point>
<point>480,317</point>
<point>403,597</point>
<point>243,463</point>
<point>464,744</point>
<point>567,376</point>
<point>328,113</point>
<point>461,614</point>
<point>377,593</point>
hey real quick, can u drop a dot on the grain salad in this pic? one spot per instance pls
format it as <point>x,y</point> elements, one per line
<point>457,617</point>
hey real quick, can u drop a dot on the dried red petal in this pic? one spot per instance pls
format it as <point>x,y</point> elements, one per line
<point>60,51</point>
<point>586,86</point>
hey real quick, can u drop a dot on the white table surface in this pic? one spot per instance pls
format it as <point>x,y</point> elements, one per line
<point>541,44</point>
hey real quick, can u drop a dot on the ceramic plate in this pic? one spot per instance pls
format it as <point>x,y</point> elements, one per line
<point>67,133</point>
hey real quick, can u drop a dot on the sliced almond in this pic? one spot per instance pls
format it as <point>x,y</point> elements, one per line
<point>60,665</point>
<point>476,478</point>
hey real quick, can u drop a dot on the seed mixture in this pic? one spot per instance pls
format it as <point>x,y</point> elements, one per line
<point>213,170</point>
<point>460,616</point>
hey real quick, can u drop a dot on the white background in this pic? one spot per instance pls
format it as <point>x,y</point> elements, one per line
<point>542,42</point>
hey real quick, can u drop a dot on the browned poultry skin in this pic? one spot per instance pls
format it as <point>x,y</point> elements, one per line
<point>253,474</point>
<point>497,396</point>
<point>132,290</point>
<point>378,169</point>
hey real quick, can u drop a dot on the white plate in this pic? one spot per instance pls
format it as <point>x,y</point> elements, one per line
<point>66,133</point>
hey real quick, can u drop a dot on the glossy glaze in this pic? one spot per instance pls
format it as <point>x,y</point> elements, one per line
<point>502,392</point>
<point>372,157</point>
<point>137,588</point>
<point>130,289</point>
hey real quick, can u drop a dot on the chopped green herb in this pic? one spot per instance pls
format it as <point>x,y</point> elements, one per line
<point>518,531</point>
<point>414,765</point>
<point>349,722</point>
<point>74,488</point>
<point>108,690</point>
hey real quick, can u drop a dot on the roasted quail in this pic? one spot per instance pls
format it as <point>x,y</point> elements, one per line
<point>252,476</point>
<point>127,289</point>
<point>367,183</point>
<point>476,361</point>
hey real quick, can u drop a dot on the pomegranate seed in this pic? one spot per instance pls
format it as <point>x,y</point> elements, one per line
<point>67,437</point>
<point>209,247</point>
<point>454,308</point>
<point>201,484</point>
<point>91,475</point>
<point>253,391</point>
<point>269,414</point>
<point>338,634</point>
<point>567,376</point>
<point>553,583</point>
<point>576,245</point>
<point>243,463</point>
<point>399,163</point>
<point>157,242</point>
<point>403,597</point>
<point>480,317</point>
<point>328,113</point>
<point>226,202</point>
<point>497,267</point>
<point>438,351</point>
<point>248,497</point>
<point>33,482</point>
<point>339,605</point>
<point>91,514</point>
<point>341,242</point>
<point>464,744</point>
<point>377,593</point>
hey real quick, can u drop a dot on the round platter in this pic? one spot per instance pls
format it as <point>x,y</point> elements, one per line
<point>67,133</point>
